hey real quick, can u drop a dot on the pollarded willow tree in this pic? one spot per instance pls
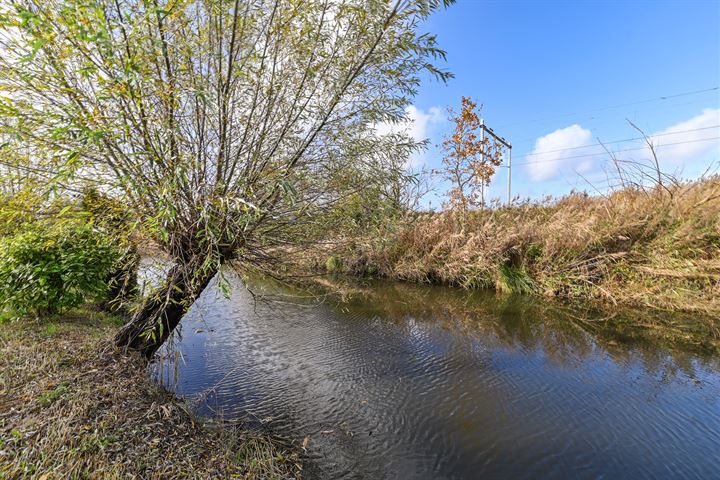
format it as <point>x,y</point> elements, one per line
<point>226,126</point>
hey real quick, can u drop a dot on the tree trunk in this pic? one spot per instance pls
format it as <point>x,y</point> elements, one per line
<point>161,312</point>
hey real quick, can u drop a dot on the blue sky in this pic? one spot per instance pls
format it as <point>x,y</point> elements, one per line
<point>555,75</point>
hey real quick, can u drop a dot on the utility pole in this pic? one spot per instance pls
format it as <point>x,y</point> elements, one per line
<point>509,167</point>
<point>484,128</point>
<point>482,159</point>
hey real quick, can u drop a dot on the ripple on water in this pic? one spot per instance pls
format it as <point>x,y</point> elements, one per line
<point>390,389</point>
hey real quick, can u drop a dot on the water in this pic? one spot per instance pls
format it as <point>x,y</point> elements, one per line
<point>406,381</point>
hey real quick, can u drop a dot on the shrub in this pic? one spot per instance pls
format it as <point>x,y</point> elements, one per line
<point>48,268</point>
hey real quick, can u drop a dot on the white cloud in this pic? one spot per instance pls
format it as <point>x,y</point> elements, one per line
<point>684,142</point>
<point>550,154</point>
<point>686,148</point>
<point>585,167</point>
<point>418,124</point>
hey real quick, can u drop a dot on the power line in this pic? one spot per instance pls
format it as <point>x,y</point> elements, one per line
<point>619,151</point>
<point>533,154</point>
<point>483,129</point>
<point>609,120</point>
<point>638,102</point>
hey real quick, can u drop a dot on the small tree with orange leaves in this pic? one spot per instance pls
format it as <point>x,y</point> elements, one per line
<point>470,161</point>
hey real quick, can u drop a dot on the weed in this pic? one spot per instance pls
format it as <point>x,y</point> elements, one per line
<point>51,396</point>
<point>333,264</point>
<point>51,330</point>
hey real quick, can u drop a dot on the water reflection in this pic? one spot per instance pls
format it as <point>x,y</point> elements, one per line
<point>565,333</point>
<point>407,381</point>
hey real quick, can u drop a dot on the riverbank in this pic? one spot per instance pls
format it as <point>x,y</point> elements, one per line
<point>652,248</point>
<point>72,406</point>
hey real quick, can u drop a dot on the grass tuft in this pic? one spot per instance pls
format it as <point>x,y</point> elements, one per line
<point>333,264</point>
<point>514,280</point>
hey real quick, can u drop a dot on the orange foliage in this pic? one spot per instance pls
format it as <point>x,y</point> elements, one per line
<point>470,160</point>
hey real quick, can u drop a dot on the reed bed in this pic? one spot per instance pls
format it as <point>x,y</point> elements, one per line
<point>652,247</point>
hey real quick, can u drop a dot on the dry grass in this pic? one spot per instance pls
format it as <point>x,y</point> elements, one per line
<point>651,247</point>
<point>72,407</point>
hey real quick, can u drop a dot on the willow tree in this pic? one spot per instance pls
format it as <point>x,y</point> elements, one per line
<point>223,125</point>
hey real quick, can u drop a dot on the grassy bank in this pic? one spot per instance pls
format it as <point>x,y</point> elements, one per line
<point>71,406</point>
<point>657,248</point>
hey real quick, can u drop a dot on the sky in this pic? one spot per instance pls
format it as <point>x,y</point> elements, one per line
<point>558,75</point>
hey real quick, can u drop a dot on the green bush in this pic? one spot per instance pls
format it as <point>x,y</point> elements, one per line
<point>46,269</point>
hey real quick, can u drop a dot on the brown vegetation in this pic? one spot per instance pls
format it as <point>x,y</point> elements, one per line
<point>73,407</point>
<point>656,247</point>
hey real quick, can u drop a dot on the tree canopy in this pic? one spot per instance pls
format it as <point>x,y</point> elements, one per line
<point>224,125</point>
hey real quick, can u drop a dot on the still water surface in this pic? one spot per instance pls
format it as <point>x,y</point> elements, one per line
<point>406,381</point>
